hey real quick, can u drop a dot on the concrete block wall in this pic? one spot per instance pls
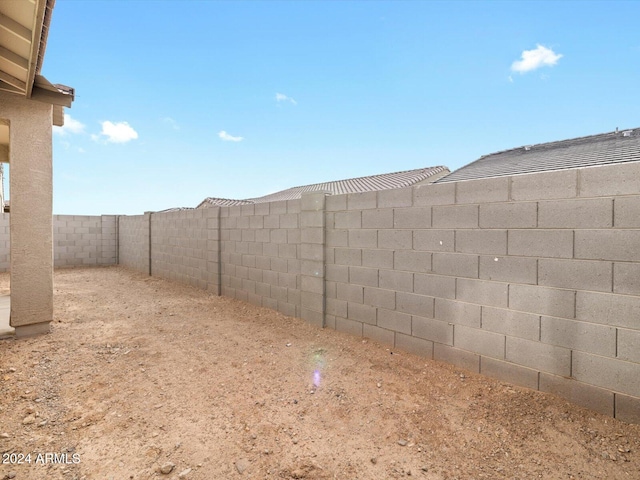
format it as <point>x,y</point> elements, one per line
<point>184,247</point>
<point>5,242</point>
<point>532,279</point>
<point>134,242</point>
<point>78,240</point>
<point>260,254</point>
<point>81,240</point>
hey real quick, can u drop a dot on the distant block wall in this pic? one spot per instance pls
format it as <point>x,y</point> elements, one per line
<point>5,242</point>
<point>531,279</point>
<point>134,242</point>
<point>184,247</point>
<point>260,254</point>
<point>78,240</point>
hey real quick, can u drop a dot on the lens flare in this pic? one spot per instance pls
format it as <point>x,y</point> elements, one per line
<point>318,363</point>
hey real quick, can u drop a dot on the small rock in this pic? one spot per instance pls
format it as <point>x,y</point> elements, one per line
<point>4,435</point>
<point>288,344</point>
<point>12,370</point>
<point>425,469</point>
<point>295,441</point>
<point>11,475</point>
<point>184,473</point>
<point>402,442</point>
<point>30,410</point>
<point>379,385</point>
<point>29,419</point>
<point>374,460</point>
<point>167,468</point>
<point>242,465</point>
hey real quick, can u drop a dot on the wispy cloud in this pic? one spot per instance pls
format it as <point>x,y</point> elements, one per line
<point>71,125</point>
<point>229,138</point>
<point>281,97</point>
<point>119,132</point>
<point>171,122</point>
<point>533,59</point>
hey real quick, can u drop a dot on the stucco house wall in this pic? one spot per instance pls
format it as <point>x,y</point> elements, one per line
<point>30,156</point>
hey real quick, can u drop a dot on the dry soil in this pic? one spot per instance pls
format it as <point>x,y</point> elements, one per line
<point>141,373</point>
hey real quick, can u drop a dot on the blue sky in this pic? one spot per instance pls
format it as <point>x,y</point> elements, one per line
<point>180,100</point>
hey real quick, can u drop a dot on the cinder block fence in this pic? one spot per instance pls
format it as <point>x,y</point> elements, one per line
<point>531,279</point>
<point>78,240</point>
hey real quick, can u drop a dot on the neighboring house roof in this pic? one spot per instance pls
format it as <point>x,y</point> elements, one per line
<point>615,147</point>
<point>383,181</point>
<point>24,28</point>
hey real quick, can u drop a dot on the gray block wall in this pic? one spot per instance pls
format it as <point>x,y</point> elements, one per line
<point>134,242</point>
<point>184,247</point>
<point>260,254</point>
<point>78,240</point>
<point>532,279</point>
<point>5,242</point>
<point>81,240</point>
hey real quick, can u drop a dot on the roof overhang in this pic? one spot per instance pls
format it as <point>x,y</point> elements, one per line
<point>24,28</point>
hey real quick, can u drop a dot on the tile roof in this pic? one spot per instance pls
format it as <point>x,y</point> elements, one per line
<point>614,147</point>
<point>383,181</point>
<point>174,209</point>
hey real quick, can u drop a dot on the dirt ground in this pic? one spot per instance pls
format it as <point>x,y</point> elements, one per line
<point>140,374</point>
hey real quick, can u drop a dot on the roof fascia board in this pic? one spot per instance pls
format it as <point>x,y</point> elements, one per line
<point>41,8</point>
<point>55,98</point>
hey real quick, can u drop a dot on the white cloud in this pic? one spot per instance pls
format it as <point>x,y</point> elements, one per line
<point>119,132</point>
<point>536,58</point>
<point>171,122</point>
<point>229,138</point>
<point>281,97</point>
<point>71,125</point>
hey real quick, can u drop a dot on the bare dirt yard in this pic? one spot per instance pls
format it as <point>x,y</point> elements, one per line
<point>141,376</point>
